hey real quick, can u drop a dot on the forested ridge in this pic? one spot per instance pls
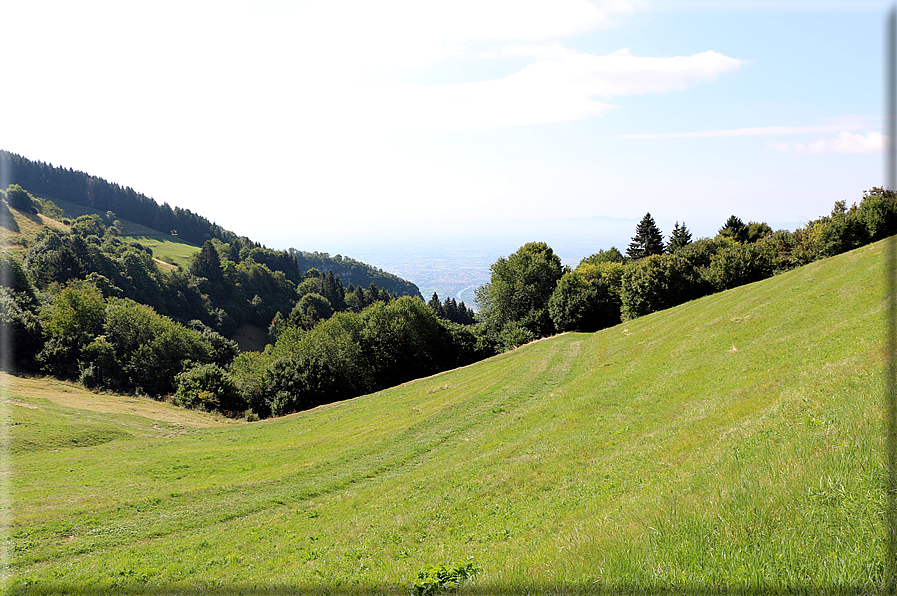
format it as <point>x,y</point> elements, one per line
<point>124,202</point>
<point>83,304</point>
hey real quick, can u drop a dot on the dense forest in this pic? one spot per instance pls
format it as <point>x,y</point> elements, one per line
<point>45,180</point>
<point>80,303</point>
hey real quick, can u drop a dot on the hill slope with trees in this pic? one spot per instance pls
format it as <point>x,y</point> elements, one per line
<point>732,444</point>
<point>80,188</point>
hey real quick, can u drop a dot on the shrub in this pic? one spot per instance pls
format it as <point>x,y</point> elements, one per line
<point>434,579</point>
<point>581,304</point>
<point>658,282</point>
<point>737,265</point>
<point>208,386</point>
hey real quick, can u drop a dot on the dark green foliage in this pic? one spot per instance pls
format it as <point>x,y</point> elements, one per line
<point>734,228</point>
<point>611,255</point>
<point>878,213</point>
<point>209,387</point>
<point>582,304</point>
<point>647,241</point>
<point>51,259</point>
<point>404,340</point>
<point>278,324</point>
<point>680,238</point>
<point>757,231</point>
<point>436,306</point>
<point>152,349</point>
<point>97,193</point>
<point>658,282</point>
<point>207,264</point>
<point>519,289</point>
<point>100,367</point>
<point>354,272</point>
<point>89,225</point>
<point>20,326</point>
<point>332,289</point>
<point>451,310</point>
<point>19,198</point>
<point>701,252</point>
<point>310,310</point>
<point>738,264</point>
<point>71,322</point>
<point>351,354</point>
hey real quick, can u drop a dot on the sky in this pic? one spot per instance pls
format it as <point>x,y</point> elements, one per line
<point>316,124</point>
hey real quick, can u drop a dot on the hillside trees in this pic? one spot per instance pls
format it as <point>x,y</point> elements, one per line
<point>515,300</point>
<point>347,355</point>
<point>451,310</point>
<point>657,282</point>
<point>91,191</point>
<point>583,303</point>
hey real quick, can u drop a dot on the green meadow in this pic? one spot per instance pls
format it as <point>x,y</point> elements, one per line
<point>731,445</point>
<point>165,247</point>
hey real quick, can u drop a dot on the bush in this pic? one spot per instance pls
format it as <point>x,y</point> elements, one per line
<point>19,198</point>
<point>208,386</point>
<point>658,282</point>
<point>581,304</point>
<point>737,265</point>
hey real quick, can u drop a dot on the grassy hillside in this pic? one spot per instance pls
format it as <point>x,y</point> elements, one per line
<point>165,247</point>
<point>732,443</point>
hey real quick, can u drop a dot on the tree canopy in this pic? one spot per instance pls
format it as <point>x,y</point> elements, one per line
<point>519,289</point>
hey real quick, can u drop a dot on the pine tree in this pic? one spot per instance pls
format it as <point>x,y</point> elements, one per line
<point>734,228</point>
<point>648,239</point>
<point>451,309</point>
<point>207,264</point>
<point>436,305</point>
<point>680,238</point>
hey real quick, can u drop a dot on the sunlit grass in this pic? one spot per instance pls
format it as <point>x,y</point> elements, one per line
<point>166,248</point>
<point>732,443</point>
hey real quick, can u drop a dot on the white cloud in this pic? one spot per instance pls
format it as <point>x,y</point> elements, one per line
<point>845,142</point>
<point>565,89</point>
<point>541,51</point>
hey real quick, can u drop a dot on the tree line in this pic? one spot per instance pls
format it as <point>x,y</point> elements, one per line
<point>83,304</point>
<point>124,202</point>
<point>531,295</point>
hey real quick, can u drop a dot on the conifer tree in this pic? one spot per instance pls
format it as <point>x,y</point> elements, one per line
<point>451,309</point>
<point>208,264</point>
<point>436,305</point>
<point>648,239</point>
<point>680,238</point>
<point>734,228</point>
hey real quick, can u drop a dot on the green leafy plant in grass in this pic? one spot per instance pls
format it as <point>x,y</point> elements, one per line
<point>434,579</point>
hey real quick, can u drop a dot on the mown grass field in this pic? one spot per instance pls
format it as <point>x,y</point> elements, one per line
<point>733,444</point>
<point>168,249</point>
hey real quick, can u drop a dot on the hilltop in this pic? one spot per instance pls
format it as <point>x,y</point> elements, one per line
<point>731,443</point>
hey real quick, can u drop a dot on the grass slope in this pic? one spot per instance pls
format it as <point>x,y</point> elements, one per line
<point>733,443</point>
<point>166,248</point>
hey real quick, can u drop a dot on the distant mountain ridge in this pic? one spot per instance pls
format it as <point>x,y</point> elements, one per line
<point>92,191</point>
